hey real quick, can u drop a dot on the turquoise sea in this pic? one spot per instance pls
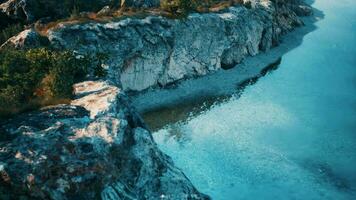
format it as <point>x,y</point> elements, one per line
<point>292,134</point>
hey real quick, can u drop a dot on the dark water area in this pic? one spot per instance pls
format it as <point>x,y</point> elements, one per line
<point>289,133</point>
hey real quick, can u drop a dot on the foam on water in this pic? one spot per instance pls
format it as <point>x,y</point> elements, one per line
<point>292,135</point>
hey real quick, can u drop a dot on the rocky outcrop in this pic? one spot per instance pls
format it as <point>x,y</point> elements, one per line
<point>95,148</point>
<point>26,39</point>
<point>156,51</point>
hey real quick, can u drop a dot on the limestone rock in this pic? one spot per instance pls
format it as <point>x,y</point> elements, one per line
<point>96,148</point>
<point>156,51</point>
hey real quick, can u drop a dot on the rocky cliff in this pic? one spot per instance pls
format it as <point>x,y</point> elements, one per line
<point>156,51</point>
<point>95,148</point>
<point>98,147</point>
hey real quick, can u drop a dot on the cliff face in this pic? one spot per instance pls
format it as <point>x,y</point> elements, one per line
<point>158,51</point>
<point>97,147</point>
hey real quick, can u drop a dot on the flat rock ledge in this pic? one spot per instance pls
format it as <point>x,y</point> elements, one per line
<point>95,148</point>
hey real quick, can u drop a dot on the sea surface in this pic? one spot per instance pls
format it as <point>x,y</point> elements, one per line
<point>290,135</point>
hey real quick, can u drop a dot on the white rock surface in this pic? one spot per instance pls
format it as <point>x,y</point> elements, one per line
<point>98,147</point>
<point>157,51</point>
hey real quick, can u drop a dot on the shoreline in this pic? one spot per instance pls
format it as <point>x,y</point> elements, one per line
<point>221,83</point>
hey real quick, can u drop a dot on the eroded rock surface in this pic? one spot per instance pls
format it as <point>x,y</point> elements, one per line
<point>158,51</point>
<point>95,148</point>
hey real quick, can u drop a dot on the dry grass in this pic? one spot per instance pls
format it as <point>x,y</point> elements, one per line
<point>122,13</point>
<point>223,5</point>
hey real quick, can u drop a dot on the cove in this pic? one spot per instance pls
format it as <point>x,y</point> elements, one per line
<point>290,135</point>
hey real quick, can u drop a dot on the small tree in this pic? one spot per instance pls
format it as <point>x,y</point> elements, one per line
<point>36,77</point>
<point>178,6</point>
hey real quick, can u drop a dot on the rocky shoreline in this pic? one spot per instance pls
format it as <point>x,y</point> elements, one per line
<point>98,147</point>
<point>156,51</point>
<point>220,83</point>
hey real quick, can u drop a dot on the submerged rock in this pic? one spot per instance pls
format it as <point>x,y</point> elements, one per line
<point>156,51</point>
<point>97,147</point>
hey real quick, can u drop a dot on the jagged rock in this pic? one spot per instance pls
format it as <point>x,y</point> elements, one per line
<point>98,147</point>
<point>158,51</point>
<point>26,39</point>
<point>16,9</point>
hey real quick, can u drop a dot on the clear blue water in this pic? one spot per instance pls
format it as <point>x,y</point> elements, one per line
<point>292,135</point>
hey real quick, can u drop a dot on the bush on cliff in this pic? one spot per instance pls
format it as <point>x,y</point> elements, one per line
<point>37,77</point>
<point>183,7</point>
<point>175,6</point>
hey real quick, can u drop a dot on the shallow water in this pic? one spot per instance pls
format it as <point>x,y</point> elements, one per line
<point>291,135</point>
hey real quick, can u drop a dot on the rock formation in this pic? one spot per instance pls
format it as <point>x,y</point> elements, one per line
<point>156,51</point>
<point>97,147</point>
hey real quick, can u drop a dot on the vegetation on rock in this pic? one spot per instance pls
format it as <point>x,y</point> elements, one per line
<point>186,6</point>
<point>36,77</point>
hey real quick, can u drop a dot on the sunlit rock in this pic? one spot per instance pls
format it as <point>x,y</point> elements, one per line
<point>98,147</point>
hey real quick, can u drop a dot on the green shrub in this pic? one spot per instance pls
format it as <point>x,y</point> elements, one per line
<point>183,7</point>
<point>178,6</point>
<point>36,77</point>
